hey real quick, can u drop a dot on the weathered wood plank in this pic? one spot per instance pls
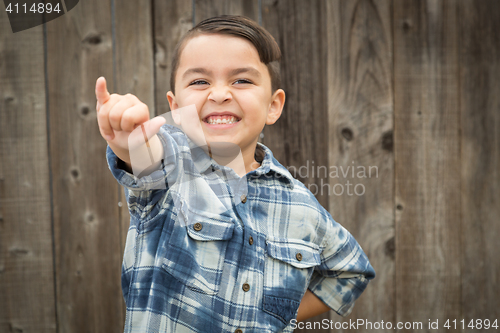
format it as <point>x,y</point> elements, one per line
<point>134,50</point>
<point>208,8</point>
<point>86,219</point>
<point>361,159</point>
<point>172,19</point>
<point>480,125</point>
<point>427,156</point>
<point>27,299</point>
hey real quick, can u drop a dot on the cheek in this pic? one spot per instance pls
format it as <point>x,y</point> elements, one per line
<point>255,100</point>
<point>196,98</point>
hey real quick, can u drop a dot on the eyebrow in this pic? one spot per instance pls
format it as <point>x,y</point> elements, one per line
<point>196,70</point>
<point>249,70</point>
<point>233,72</point>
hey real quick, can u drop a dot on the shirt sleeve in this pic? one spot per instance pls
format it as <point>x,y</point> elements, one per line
<point>144,193</point>
<point>344,271</point>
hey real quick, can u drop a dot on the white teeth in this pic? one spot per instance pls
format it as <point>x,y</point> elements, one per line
<point>221,120</point>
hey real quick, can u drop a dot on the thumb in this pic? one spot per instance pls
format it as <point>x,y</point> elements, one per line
<point>142,133</point>
<point>155,124</point>
<point>101,92</point>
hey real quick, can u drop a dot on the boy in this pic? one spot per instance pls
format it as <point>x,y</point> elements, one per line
<point>275,255</point>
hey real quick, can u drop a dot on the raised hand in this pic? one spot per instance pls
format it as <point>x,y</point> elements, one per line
<point>118,115</point>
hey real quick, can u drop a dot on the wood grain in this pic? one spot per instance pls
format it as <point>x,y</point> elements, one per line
<point>427,154</point>
<point>209,8</point>
<point>480,140</point>
<point>134,51</point>
<point>172,19</point>
<point>360,118</point>
<point>27,301</point>
<point>86,219</point>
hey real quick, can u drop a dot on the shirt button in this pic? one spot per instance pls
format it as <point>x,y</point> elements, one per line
<point>298,256</point>
<point>250,240</point>
<point>238,331</point>
<point>246,287</point>
<point>243,198</point>
<point>197,226</point>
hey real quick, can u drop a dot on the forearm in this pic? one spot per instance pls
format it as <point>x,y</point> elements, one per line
<point>310,306</point>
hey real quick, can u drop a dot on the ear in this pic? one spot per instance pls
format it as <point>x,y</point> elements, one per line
<point>171,101</point>
<point>276,106</point>
<point>173,107</point>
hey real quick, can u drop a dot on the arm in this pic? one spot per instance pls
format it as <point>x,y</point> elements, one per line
<point>344,271</point>
<point>310,306</point>
<point>343,274</point>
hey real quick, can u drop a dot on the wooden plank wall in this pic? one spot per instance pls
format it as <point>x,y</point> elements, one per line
<point>427,119</point>
<point>479,88</point>
<point>86,229</point>
<point>407,91</point>
<point>361,110</point>
<point>27,302</point>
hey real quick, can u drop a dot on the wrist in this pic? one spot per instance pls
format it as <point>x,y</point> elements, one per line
<point>121,153</point>
<point>147,157</point>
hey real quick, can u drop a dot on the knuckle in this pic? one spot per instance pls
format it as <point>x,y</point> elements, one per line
<point>132,98</point>
<point>102,112</point>
<point>126,118</point>
<point>143,108</point>
<point>114,116</point>
<point>126,123</point>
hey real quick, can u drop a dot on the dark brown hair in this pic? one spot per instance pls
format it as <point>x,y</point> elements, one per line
<point>239,26</point>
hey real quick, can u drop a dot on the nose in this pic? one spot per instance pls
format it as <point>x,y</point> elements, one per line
<point>220,94</point>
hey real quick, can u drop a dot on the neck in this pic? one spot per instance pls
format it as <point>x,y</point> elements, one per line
<point>241,161</point>
<point>249,158</point>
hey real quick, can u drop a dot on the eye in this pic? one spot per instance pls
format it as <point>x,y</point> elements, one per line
<point>243,81</point>
<point>198,82</point>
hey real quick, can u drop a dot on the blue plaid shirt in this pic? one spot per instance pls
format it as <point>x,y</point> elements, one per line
<point>190,268</point>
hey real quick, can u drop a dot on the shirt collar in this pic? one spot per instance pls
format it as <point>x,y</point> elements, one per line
<point>270,165</point>
<point>201,159</point>
<point>263,155</point>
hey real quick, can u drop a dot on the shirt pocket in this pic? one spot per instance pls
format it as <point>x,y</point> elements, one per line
<point>288,269</point>
<point>196,250</point>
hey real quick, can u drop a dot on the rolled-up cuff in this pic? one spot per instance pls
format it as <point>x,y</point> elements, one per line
<point>339,294</point>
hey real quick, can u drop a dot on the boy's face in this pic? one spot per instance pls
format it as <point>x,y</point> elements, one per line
<point>231,88</point>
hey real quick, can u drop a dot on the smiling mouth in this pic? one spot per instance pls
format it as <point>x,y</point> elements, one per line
<point>216,120</point>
